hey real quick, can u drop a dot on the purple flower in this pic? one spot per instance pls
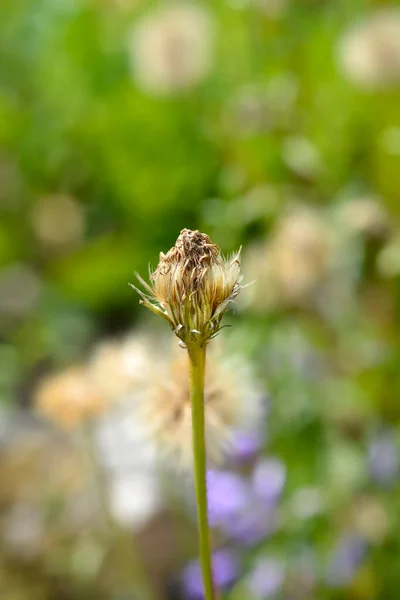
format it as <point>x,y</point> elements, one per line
<point>269,479</point>
<point>266,578</point>
<point>245,447</point>
<point>228,494</point>
<point>383,459</point>
<point>346,558</point>
<point>225,567</point>
<point>233,507</point>
<point>256,522</point>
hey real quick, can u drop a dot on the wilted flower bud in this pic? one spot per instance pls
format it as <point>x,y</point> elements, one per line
<point>192,287</point>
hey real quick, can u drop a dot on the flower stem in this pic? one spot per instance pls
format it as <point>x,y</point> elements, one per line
<point>197,359</point>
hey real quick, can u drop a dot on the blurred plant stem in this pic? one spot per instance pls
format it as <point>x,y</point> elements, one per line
<point>197,360</point>
<point>129,559</point>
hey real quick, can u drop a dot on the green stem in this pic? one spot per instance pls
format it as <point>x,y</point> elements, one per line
<point>197,359</point>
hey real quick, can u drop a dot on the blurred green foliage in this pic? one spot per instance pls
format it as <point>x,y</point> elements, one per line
<point>140,167</point>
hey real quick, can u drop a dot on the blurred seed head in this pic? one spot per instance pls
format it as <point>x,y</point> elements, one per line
<point>58,221</point>
<point>365,216</point>
<point>301,234</point>
<point>69,398</point>
<point>300,252</point>
<point>232,401</point>
<point>369,53</point>
<point>289,269</point>
<point>192,287</point>
<point>171,48</point>
<point>120,368</point>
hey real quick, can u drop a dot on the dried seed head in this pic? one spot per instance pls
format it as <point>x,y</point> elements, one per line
<point>192,287</point>
<point>69,397</point>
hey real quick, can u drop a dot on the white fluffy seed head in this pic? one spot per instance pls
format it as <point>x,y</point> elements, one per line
<point>121,367</point>
<point>301,252</point>
<point>70,397</point>
<point>293,264</point>
<point>171,48</point>
<point>232,401</point>
<point>364,215</point>
<point>369,53</point>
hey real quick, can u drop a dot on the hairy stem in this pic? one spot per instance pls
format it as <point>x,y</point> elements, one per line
<point>197,357</point>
